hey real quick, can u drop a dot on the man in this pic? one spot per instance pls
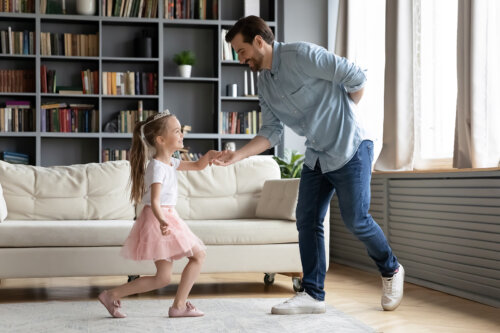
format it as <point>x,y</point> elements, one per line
<point>314,92</point>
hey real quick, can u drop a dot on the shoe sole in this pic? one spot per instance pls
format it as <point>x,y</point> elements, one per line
<point>297,311</point>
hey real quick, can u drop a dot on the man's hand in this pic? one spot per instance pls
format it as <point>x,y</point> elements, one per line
<point>227,157</point>
<point>212,156</point>
<point>356,95</point>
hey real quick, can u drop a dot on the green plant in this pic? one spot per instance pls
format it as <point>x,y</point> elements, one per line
<point>291,164</point>
<point>185,58</point>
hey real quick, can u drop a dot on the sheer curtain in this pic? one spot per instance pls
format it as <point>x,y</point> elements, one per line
<point>401,87</point>
<point>477,134</point>
<point>420,85</point>
<point>434,73</point>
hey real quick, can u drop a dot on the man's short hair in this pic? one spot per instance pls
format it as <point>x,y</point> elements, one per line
<point>250,27</point>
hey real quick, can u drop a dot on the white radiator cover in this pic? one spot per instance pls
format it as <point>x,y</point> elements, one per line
<point>443,227</point>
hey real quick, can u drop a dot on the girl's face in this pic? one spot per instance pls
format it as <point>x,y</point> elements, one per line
<point>172,137</point>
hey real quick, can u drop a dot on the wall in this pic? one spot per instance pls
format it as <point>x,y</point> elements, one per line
<point>313,28</point>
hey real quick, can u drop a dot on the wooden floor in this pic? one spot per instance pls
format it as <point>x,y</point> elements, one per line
<point>352,291</point>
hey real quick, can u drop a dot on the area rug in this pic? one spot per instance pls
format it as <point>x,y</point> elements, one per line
<point>221,315</point>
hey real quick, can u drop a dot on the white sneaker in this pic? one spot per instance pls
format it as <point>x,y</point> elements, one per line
<point>393,289</point>
<point>301,303</point>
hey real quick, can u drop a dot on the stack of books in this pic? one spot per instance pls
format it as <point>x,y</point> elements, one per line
<point>191,9</point>
<point>22,6</point>
<point>61,117</point>
<point>129,83</point>
<point>17,42</point>
<point>109,154</point>
<point>17,116</point>
<point>82,45</point>
<point>15,158</point>
<point>184,155</point>
<point>228,53</point>
<point>17,80</point>
<point>240,122</point>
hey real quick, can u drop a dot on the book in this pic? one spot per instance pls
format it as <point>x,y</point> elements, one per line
<point>15,158</point>
<point>53,105</point>
<point>17,104</point>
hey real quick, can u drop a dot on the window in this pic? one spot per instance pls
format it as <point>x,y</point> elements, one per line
<point>436,73</point>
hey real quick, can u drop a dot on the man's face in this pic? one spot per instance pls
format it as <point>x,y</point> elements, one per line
<point>250,54</point>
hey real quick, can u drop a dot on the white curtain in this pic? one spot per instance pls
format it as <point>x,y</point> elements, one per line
<point>477,132</point>
<point>360,38</point>
<point>401,94</point>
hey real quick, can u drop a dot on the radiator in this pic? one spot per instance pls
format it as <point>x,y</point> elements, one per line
<point>443,227</point>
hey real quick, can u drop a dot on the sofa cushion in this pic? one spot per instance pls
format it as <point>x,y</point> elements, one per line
<point>230,192</point>
<point>94,191</point>
<point>278,199</point>
<point>3,206</point>
<point>81,233</point>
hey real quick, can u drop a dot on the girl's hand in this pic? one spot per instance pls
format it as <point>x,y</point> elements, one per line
<point>164,227</point>
<point>212,156</point>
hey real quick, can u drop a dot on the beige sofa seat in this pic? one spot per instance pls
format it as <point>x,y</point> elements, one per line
<point>83,233</point>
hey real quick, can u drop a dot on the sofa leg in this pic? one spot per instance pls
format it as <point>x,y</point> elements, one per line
<point>133,277</point>
<point>269,278</point>
<point>297,284</point>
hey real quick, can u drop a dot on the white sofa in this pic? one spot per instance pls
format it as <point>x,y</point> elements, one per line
<point>72,220</point>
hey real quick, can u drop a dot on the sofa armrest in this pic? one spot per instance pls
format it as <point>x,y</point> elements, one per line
<point>278,199</point>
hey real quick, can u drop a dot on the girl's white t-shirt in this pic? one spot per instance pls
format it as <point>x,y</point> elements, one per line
<point>166,174</point>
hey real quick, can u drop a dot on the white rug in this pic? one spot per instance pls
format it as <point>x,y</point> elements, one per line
<point>221,315</point>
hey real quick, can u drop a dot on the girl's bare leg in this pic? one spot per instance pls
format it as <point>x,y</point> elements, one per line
<point>145,283</point>
<point>189,275</point>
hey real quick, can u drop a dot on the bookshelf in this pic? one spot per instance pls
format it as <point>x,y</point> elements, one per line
<point>197,101</point>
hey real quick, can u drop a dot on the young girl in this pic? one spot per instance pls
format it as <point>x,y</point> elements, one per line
<point>159,234</point>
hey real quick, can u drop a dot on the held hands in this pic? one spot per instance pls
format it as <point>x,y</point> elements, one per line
<point>212,156</point>
<point>226,158</point>
<point>221,158</point>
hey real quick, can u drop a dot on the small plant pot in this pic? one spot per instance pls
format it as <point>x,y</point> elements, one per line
<point>85,7</point>
<point>185,70</point>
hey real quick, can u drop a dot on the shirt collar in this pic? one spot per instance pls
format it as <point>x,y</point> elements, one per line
<point>276,59</point>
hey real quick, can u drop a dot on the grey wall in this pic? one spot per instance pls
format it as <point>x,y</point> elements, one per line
<point>302,21</point>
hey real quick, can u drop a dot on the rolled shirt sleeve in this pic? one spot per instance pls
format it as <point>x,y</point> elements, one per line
<point>272,127</point>
<point>315,61</point>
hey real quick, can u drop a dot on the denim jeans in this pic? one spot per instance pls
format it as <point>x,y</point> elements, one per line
<point>352,184</point>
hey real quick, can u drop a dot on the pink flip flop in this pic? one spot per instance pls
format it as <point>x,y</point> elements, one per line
<point>189,311</point>
<point>112,306</point>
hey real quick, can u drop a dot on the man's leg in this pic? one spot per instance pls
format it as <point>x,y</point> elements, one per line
<point>315,193</point>
<point>352,183</point>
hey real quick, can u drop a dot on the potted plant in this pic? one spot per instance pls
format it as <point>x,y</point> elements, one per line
<point>291,164</point>
<point>185,60</point>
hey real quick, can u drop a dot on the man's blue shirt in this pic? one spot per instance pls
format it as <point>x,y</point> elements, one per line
<point>307,90</point>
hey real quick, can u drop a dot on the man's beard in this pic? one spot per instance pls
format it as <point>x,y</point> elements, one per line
<point>257,63</point>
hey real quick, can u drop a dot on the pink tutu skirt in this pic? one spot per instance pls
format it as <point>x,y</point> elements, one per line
<point>146,242</point>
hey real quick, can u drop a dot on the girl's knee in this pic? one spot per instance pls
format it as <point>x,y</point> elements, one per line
<point>162,280</point>
<point>199,256</point>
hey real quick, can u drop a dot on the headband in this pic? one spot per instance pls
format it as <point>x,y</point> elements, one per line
<point>156,117</point>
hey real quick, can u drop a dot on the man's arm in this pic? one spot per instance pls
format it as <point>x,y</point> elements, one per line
<point>256,146</point>
<point>316,61</point>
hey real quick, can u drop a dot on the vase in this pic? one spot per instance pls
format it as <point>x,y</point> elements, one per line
<point>85,7</point>
<point>185,70</point>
